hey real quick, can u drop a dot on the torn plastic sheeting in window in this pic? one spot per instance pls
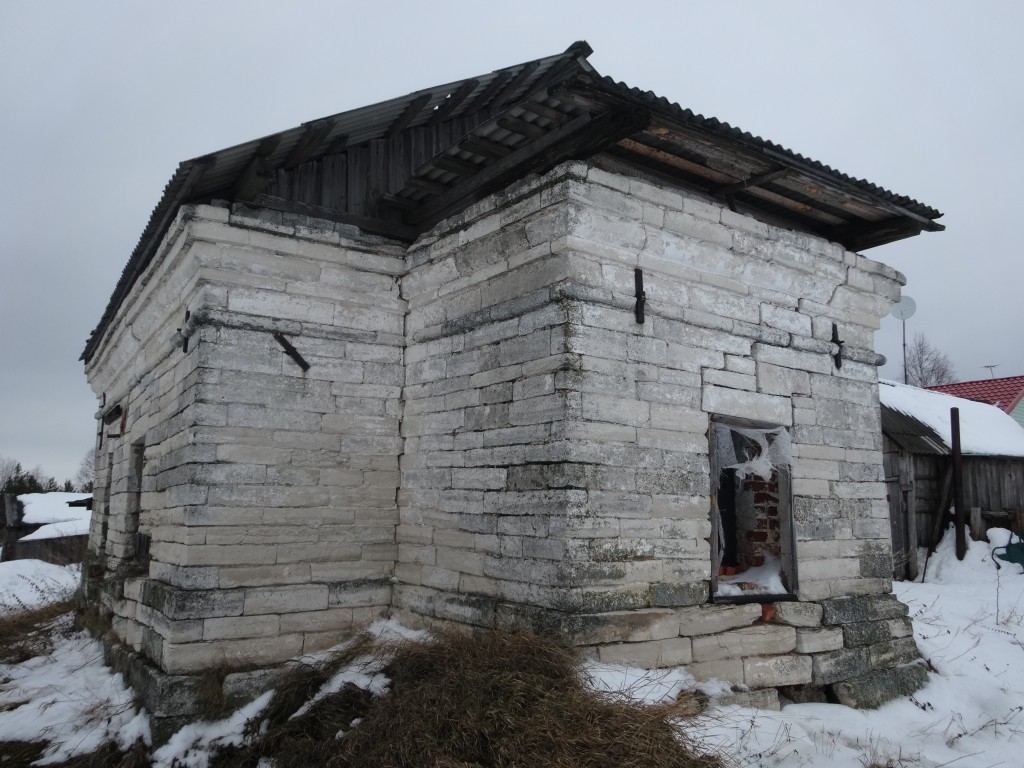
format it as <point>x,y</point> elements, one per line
<point>750,451</point>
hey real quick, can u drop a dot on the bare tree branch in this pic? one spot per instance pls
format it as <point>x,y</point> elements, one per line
<point>926,366</point>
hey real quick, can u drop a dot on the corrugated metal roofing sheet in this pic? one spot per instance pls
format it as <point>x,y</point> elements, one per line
<point>218,173</point>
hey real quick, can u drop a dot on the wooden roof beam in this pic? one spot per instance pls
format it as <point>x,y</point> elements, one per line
<point>307,145</point>
<point>450,104</point>
<point>455,165</point>
<point>409,114</point>
<point>509,90</point>
<point>578,137</point>
<point>478,145</point>
<point>486,95</point>
<point>542,110</point>
<point>256,176</point>
<point>521,127</point>
<point>862,235</point>
<point>754,181</point>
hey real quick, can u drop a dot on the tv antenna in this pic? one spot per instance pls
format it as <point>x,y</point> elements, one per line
<point>990,369</point>
<point>902,310</point>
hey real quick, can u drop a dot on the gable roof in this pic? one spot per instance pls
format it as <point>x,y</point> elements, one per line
<point>919,421</point>
<point>400,166</point>
<point>1004,393</point>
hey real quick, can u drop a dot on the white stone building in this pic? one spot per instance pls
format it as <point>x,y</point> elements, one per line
<point>532,349</point>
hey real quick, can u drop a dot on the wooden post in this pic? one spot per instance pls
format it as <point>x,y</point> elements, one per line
<point>959,513</point>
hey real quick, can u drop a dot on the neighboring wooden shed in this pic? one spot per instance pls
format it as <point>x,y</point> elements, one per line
<point>918,468</point>
<point>53,527</point>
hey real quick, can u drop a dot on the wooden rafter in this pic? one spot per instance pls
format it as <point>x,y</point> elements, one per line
<point>455,165</point>
<point>487,94</point>
<point>578,137</point>
<point>306,146</point>
<point>478,145</point>
<point>450,104</point>
<point>257,174</point>
<point>754,181</point>
<point>408,115</point>
<point>521,127</point>
<point>541,110</point>
<point>509,90</point>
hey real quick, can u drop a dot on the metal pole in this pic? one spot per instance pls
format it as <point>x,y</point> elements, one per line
<point>905,352</point>
<point>959,517</point>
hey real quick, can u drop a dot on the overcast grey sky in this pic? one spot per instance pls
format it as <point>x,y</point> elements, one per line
<point>99,102</point>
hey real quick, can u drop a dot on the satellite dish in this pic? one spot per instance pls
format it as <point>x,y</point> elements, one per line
<point>904,308</point>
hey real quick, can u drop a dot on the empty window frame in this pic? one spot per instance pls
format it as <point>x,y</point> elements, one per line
<point>752,539</point>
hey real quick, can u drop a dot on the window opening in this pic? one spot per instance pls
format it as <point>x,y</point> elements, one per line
<point>752,531</point>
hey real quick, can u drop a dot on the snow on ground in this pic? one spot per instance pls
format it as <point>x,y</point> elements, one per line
<point>968,622</point>
<point>69,699</point>
<point>28,584</point>
<point>969,713</point>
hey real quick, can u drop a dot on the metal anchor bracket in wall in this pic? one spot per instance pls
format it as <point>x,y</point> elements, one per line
<point>838,356</point>
<point>291,351</point>
<point>641,297</point>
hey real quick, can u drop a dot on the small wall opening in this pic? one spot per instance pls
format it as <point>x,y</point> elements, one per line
<point>752,531</point>
<point>137,463</point>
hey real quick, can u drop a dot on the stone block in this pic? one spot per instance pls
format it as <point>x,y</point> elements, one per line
<point>840,665</point>
<point>773,671</point>
<point>893,652</point>
<point>712,619</point>
<point>866,633</point>
<point>646,655</point>
<point>750,641</point>
<point>675,651</point>
<point>749,405</point>
<point>818,640</point>
<point>234,627</point>
<point>849,610</point>
<point>622,626</point>
<point>726,670</point>
<point>798,614</point>
<point>191,604</point>
<point>765,698</point>
<point>670,595</point>
<point>874,689</point>
<point>286,599</point>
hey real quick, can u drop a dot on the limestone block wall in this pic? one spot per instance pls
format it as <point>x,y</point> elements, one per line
<point>486,341</point>
<point>556,470</point>
<point>268,492</point>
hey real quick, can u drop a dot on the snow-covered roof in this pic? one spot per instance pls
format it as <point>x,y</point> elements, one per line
<point>51,511</point>
<point>984,429</point>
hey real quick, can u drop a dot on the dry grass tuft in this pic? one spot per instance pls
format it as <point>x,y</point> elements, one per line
<point>468,701</point>
<point>30,632</point>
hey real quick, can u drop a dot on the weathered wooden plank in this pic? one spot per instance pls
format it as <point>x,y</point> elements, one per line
<point>358,170</point>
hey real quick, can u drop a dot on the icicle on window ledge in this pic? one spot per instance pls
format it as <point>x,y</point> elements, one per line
<point>752,546</point>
